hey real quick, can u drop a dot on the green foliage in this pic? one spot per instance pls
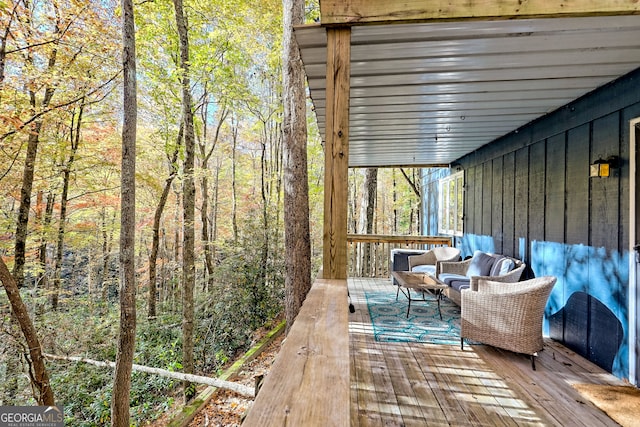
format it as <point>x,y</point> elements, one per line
<point>85,390</point>
<point>85,393</point>
<point>249,292</point>
<point>311,11</point>
<point>159,346</point>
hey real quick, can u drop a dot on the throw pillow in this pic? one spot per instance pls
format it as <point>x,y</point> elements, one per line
<point>480,265</point>
<point>502,267</point>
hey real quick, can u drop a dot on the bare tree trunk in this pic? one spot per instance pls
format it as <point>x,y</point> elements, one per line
<point>395,201</point>
<point>157,217</point>
<point>216,193</point>
<point>25,204</point>
<point>296,185</point>
<point>205,155</point>
<point>367,209</point>
<point>102,282</point>
<point>234,196</point>
<point>353,197</point>
<point>163,292</point>
<point>107,239</point>
<point>27,177</point>
<point>177,238</point>
<point>90,278</point>
<point>43,277</point>
<point>174,288</point>
<point>414,182</point>
<point>204,213</point>
<point>3,41</point>
<point>360,220</point>
<point>371,183</point>
<point>64,199</point>
<point>127,333</point>
<point>37,369</point>
<point>42,248</point>
<point>261,278</point>
<point>277,172</point>
<point>189,190</point>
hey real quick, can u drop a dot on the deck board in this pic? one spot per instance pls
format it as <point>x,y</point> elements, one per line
<point>413,384</point>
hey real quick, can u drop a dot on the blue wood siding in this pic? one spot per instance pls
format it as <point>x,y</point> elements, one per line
<point>529,195</point>
<point>497,204</point>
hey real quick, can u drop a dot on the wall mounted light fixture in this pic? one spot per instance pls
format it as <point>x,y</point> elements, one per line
<point>603,168</point>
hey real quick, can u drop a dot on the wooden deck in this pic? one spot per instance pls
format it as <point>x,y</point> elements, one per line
<point>405,384</point>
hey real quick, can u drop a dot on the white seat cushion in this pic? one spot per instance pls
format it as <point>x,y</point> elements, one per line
<point>425,268</point>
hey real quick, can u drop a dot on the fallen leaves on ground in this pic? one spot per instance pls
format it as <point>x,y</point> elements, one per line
<point>226,408</point>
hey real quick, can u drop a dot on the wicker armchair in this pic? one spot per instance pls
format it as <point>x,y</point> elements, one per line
<point>428,261</point>
<point>506,315</point>
<point>432,259</point>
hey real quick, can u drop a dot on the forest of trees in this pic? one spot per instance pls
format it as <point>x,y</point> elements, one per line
<point>61,164</point>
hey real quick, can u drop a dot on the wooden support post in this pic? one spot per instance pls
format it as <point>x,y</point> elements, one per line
<point>336,153</point>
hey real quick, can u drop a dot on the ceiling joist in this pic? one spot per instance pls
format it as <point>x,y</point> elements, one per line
<point>432,92</point>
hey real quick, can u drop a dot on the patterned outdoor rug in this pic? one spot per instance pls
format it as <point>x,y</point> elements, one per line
<point>390,322</point>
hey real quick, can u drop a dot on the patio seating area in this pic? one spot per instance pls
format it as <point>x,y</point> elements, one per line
<point>416,384</point>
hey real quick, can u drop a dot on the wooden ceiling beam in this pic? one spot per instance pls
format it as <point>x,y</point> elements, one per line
<point>361,12</point>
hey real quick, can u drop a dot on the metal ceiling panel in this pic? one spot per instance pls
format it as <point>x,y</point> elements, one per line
<point>430,93</point>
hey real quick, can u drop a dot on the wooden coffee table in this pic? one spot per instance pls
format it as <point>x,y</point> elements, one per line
<point>421,283</point>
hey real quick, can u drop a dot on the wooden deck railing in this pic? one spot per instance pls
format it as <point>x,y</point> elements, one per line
<point>308,384</point>
<point>369,253</point>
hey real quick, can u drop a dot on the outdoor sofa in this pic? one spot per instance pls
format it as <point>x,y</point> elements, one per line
<point>464,274</point>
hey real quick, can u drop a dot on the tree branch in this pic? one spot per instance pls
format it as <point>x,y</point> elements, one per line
<point>57,106</point>
<point>411,183</point>
<point>86,193</point>
<point>11,163</point>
